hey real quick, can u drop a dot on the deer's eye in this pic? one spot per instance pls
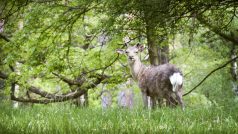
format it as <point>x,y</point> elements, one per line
<point>126,52</point>
<point>136,52</point>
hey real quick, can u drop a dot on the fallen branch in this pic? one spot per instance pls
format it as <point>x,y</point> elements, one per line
<point>213,71</point>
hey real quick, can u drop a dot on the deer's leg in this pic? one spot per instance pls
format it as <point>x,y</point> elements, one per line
<point>153,100</point>
<point>170,101</point>
<point>179,98</point>
<point>160,101</point>
<point>173,101</point>
<point>145,99</point>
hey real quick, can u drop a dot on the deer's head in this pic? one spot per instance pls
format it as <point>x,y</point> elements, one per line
<point>132,52</point>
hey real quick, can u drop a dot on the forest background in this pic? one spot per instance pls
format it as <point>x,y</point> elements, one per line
<point>53,52</point>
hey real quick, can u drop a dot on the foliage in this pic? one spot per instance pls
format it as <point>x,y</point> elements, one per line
<point>48,45</point>
<point>65,37</point>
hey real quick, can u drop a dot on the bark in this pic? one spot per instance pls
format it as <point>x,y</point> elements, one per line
<point>158,53</point>
<point>234,63</point>
<point>1,25</point>
<point>152,44</point>
<point>70,82</point>
<point>86,102</point>
<point>82,101</point>
<point>46,101</point>
<point>234,69</point>
<point>51,98</point>
<point>152,38</point>
<point>74,85</point>
<point>163,54</point>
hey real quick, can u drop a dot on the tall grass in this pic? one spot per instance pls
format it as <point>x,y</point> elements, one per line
<point>66,119</point>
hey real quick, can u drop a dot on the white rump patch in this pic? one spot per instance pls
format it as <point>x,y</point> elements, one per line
<point>176,79</point>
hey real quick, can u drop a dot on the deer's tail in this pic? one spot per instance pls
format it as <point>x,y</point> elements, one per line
<point>176,80</point>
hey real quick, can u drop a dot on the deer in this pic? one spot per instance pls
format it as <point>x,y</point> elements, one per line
<point>156,82</point>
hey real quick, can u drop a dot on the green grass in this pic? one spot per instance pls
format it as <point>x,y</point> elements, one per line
<point>66,119</point>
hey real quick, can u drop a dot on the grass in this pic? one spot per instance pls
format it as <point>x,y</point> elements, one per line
<point>66,119</point>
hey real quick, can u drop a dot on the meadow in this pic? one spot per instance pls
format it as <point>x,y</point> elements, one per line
<point>55,118</point>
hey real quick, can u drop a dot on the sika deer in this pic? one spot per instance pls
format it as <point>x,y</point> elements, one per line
<point>154,81</point>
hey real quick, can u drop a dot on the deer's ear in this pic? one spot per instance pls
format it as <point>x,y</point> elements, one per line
<point>140,47</point>
<point>120,51</point>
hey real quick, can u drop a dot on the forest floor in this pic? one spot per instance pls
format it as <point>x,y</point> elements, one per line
<point>66,119</point>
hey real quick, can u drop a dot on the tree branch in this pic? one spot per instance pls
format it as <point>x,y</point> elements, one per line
<point>213,71</point>
<point>51,98</point>
<point>46,101</point>
<point>216,30</point>
<point>69,81</point>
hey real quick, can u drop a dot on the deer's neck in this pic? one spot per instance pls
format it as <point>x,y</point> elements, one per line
<point>136,68</point>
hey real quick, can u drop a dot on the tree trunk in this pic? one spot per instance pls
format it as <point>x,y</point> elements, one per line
<point>158,52</point>
<point>81,101</point>
<point>152,44</point>
<point>163,53</point>
<point>1,26</point>
<point>234,69</point>
<point>86,102</point>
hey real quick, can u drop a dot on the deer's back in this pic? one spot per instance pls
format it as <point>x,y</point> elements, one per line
<point>155,79</point>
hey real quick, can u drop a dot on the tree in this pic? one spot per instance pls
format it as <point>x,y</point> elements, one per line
<point>64,45</point>
<point>42,57</point>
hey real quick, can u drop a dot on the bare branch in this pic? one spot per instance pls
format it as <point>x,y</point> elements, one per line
<point>69,81</point>
<point>46,101</point>
<point>51,98</point>
<point>213,71</point>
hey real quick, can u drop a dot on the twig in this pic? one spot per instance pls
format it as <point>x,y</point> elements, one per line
<point>213,71</point>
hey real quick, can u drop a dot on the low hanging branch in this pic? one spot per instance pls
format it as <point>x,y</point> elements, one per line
<point>51,98</point>
<point>78,82</point>
<point>213,71</point>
